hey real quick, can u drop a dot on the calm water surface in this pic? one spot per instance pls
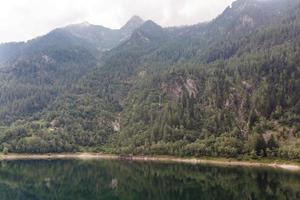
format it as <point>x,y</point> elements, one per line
<point>113,180</point>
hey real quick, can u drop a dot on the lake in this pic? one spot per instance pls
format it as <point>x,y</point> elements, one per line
<point>113,180</point>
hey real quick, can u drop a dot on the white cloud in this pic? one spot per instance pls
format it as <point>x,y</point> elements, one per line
<point>25,19</point>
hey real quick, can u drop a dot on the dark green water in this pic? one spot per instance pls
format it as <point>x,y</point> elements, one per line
<point>112,180</point>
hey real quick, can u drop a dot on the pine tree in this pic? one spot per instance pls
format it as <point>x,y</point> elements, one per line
<point>260,145</point>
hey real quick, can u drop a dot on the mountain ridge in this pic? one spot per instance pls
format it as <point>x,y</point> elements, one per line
<point>227,88</point>
<point>96,37</point>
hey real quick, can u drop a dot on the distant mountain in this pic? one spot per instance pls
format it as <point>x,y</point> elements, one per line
<point>92,37</point>
<point>147,33</point>
<point>10,51</point>
<point>134,23</point>
<point>228,87</point>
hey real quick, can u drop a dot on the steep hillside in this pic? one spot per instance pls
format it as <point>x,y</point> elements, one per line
<point>229,88</point>
<point>36,72</point>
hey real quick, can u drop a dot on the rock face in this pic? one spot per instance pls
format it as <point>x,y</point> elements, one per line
<point>116,125</point>
<point>191,87</point>
<point>176,88</point>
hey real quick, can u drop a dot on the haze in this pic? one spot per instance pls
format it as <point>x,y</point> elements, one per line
<point>26,19</point>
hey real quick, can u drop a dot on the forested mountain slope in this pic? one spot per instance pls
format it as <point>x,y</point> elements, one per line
<point>36,72</point>
<point>229,87</point>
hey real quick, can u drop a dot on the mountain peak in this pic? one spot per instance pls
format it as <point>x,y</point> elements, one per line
<point>148,31</point>
<point>85,23</point>
<point>133,23</point>
<point>150,23</point>
<point>150,26</point>
<point>136,18</point>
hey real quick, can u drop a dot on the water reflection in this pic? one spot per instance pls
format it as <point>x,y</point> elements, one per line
<point>110,180</point>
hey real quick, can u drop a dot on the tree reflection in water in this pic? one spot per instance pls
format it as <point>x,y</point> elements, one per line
<point>110,180</point>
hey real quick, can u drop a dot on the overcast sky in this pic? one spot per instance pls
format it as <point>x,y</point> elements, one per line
<point>25,19</point>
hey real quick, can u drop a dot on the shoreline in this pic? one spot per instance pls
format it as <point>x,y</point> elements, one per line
<point>99,156</point>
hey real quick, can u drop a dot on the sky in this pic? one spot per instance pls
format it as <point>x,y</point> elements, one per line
<point>21,20</point>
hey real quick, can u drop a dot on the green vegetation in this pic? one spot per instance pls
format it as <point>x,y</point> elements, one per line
<point>134,180</point>
<point>228,88</point>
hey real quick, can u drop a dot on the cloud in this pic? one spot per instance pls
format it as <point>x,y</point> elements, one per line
<point>24,19</point>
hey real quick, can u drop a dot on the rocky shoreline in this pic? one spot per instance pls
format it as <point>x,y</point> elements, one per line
<point>93,156</point>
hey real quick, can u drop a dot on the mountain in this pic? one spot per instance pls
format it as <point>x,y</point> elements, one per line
<point>134,23</point>
<point>95,38</point>
<point>227,88</point>
<point>39,70</point>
